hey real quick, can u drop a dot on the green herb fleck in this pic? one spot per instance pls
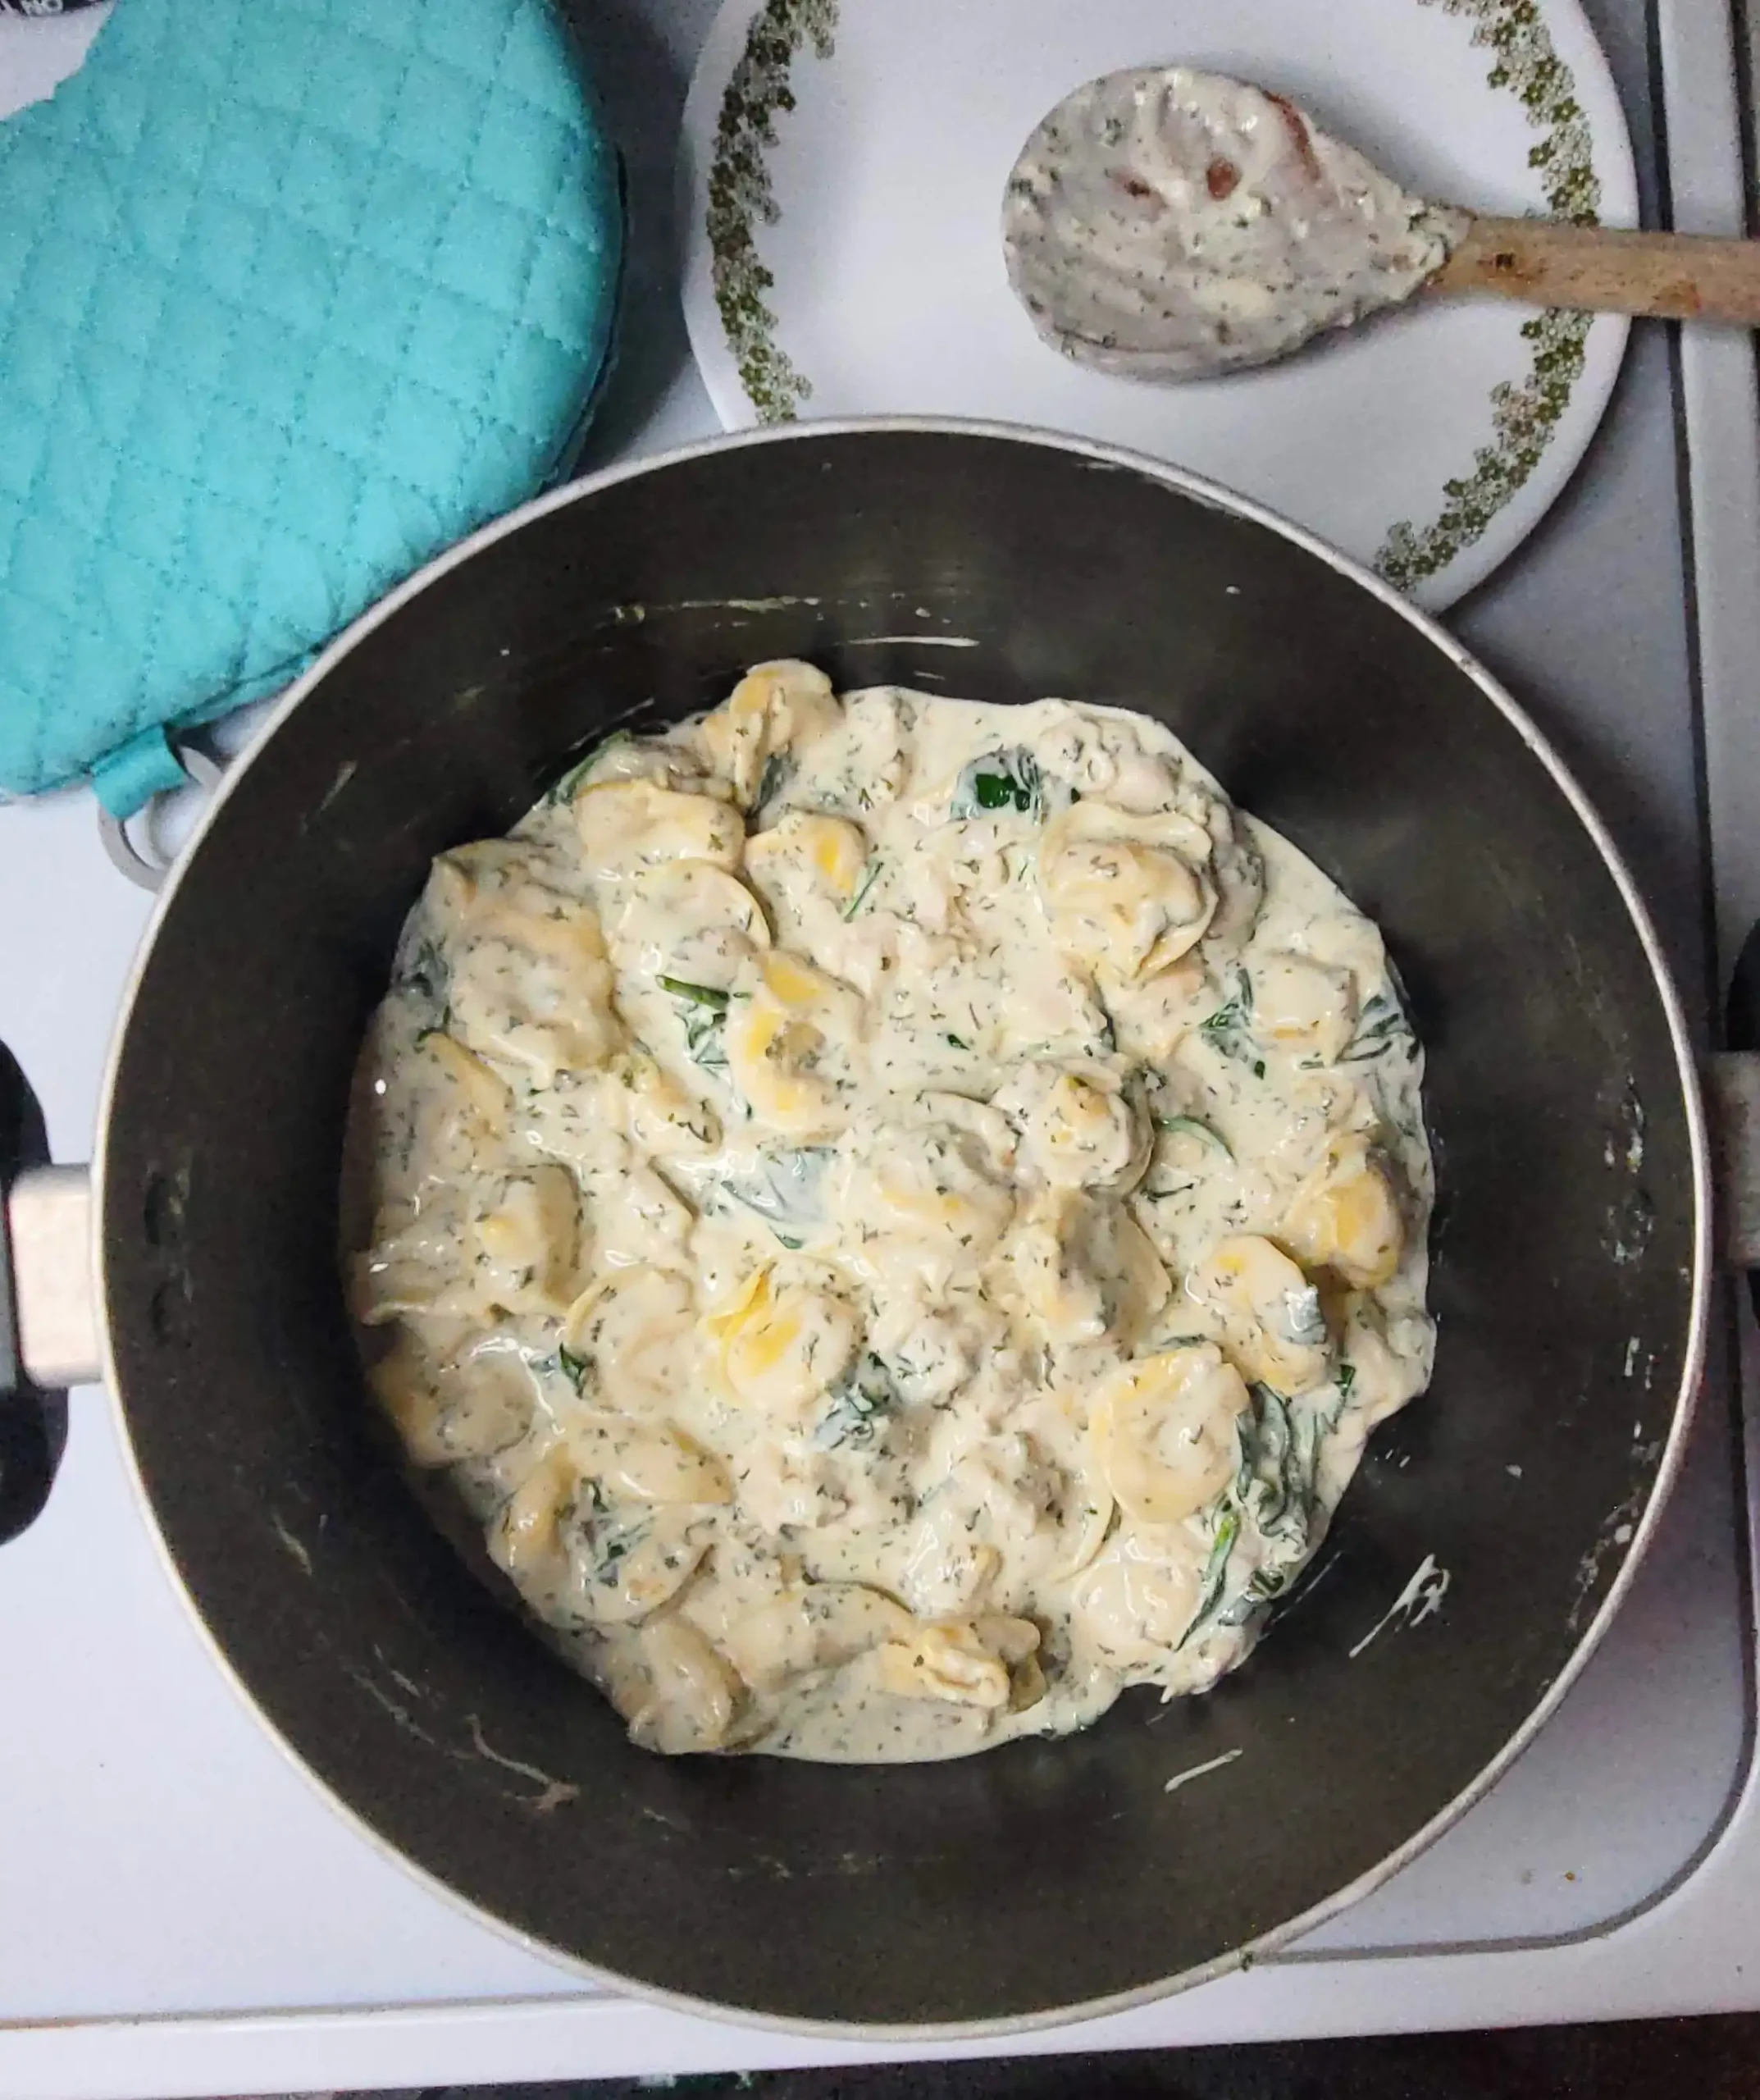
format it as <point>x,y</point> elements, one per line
<point>871,874</point>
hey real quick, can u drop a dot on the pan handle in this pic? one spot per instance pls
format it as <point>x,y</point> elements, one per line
<point>53,1340</point>
<point>1732,1089</point>
<point>47,1334</point>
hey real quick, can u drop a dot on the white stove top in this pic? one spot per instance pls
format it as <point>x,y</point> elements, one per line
<point>183,1912</point>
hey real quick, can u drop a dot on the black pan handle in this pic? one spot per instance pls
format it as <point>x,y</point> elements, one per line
<point>45,1343</point>
<point>1734,1088</point>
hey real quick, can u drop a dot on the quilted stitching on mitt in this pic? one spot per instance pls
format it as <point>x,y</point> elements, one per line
<point>291,297</point>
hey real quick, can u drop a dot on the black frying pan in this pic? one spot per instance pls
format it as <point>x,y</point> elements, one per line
<point>1047,1878</point>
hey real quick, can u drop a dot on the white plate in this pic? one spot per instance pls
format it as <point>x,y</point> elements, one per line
<point>845,162</point>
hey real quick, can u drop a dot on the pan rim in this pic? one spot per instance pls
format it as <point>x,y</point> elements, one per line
<point>1212,495</point>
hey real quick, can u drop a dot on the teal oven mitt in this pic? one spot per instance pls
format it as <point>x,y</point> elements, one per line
<point>293,295</point>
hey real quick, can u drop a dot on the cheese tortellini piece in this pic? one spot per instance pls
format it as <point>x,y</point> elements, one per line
<point>1164,1432</point>
<point>932,1194</point>
<point>793,1034</point>
<point>628,826</point>
<point>583,1559</point>
<point>690,921</point>
<point>1127,894</point>
<point>451,1406</point>
<point>1082,1128</point>
<point>630,1340</point>
<point>1270,1313</point>
<point>498,1244</point>
<point>1306,1005</point>
<point>892,1219</point>
<point>772,708</point>
<point>530,985</point>
<point>685,1696</point>
<point>1085,1268</point>
<point>1135,1604</point>
<point>526,1228</point>
<point>804,855</point>
<point>476,1101</point>
<point>812,1626</point>
<point>968,1662</point>
<point>783,1346</point>
<point>663,1118</point>
<point>1346,1217</point>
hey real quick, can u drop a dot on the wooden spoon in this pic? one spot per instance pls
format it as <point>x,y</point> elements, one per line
<point>1167,224</point>
<point>1670,276</point>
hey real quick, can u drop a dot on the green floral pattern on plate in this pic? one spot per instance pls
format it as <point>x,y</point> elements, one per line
<point>1524,413</point>
<point>740,197</point>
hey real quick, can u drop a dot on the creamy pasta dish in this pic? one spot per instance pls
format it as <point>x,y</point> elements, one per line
<point>894,1216</point>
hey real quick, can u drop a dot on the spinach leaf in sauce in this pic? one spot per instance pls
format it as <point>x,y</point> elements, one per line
<point>1272,1485</point>
<point>857,1406</point>
<point>1275,1491</point>
<point>786,1190</point>
<point>1215,1574</point>
<point>601,1534</point>
<point>703,1013</point>
<point>1005,780</point>
<point>1381,1027</point>
<point>778,770</point>
<point>1192,1127</point>
<point>563,790</point>
<point>578,1370</point>
<point>1228,1030</point>
<point>425,972</point>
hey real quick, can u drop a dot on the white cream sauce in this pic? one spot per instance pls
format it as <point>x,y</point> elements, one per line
<point>894,1216</point>
<point>1169,224</point>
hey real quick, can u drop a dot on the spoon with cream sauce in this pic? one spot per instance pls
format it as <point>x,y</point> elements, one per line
<point>1164,224</point>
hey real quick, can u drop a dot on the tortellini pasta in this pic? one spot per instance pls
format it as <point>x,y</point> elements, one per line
<point>1271,1320</point>
<point>1081,1126</point>
<point>782,1346</point>
<point>792,1035</point>
<point>528,980</point>
<point>893,1218</point>
<point>968,1662</point>
<point>1128,893</point>
<point>628,827</point>
<point>775,711</point>
<point>1307,1005</point>
<point>693,921</point>
<point>804,857</point>
<point>1164,1432</point>
<point>1346,1217</point>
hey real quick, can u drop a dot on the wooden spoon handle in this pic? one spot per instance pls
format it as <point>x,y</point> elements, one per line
<point>1675,277</point>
